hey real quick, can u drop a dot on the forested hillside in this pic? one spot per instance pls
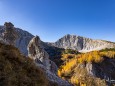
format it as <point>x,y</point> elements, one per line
<point>88,69</point>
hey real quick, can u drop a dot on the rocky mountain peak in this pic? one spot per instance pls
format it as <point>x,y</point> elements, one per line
<point>37,53</point>
<point>15,36</point>
<point>10,35</point>
<point>81,44</point>
<point>8,25</point>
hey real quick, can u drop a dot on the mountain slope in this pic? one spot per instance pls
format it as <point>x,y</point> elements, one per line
<point>10,35</point>
<point>22,40</point>
<point>17,70</point>
<point>41,58</point>
<point>81,44</point>
<point>96,68</point>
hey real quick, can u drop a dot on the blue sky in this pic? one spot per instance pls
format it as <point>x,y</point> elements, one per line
<point>52,19</point>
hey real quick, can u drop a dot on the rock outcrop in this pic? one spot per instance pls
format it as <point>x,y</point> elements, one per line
<point>10,34</point>
<point>104,70</point>
<point>37,53</point>
<point>81,44</point>
<point>17,37</point>
<point>41,58</point>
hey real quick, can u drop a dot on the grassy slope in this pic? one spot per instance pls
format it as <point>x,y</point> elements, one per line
<point>17,70</point>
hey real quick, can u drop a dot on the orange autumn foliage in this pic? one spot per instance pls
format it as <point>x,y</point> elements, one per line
<point>72,60</point>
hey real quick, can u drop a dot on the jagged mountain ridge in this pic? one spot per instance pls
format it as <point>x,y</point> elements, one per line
<point>22,41</point>
<point>81,44</point>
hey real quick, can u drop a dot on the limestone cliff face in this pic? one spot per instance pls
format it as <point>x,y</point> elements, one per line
<point>22,38</point>
<point>81,44</point>
<point>41,58</point>
<point>37,53</point>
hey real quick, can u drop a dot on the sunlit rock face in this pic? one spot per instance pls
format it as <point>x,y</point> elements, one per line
<point>37,53</point>
<point>41,58</point>
<point>81,44</point>
<point>15,36</point>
